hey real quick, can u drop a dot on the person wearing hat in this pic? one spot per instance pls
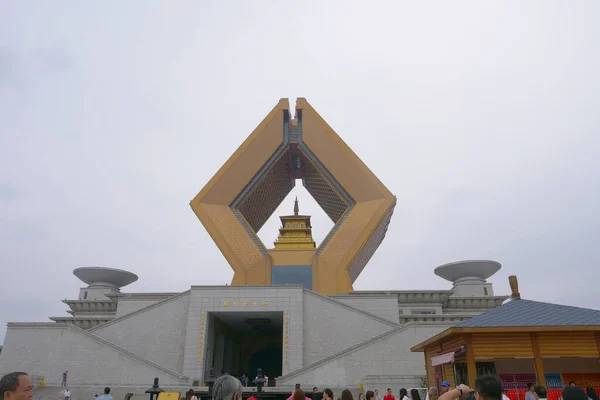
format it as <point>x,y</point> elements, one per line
<point>445,386</point>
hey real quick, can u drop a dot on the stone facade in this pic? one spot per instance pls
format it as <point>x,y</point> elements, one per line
<point>48,349</point>
<point>336,341</point>
<point>207,299</point>
<point>163,323</point>
<point>330,327</point>
<point>386,354</point>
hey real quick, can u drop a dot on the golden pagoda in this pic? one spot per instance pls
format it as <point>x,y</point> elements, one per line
<point>295,231</point>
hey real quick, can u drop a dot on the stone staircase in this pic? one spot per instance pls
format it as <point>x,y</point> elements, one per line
<point>286,379</point>
<point>183,379</point>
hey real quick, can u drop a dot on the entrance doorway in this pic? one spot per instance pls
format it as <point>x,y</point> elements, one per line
<point>241,342</point>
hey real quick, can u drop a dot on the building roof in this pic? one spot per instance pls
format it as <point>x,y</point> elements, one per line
<point>533,313</point>
<point>522,316</point>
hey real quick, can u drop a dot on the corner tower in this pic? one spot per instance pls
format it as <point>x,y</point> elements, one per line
<point>245,192</point>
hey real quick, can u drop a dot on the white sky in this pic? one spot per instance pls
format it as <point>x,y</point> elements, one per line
<point>481,117</point>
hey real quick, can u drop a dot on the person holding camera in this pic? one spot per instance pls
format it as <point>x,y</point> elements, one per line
<point>487,387</point>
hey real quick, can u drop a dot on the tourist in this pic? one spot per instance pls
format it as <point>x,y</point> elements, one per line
<point>327,394</point>
<point>573,392</point>
<point>315,389</point>
<point>16,386</point>
<point>299,395</point>
<point>445,387</point>
<point>360,396</point>
<point>67,394</point>
<point>244,379</point>
<point>432,394</point>
<point>572,383</point>
<point>530,394</point>
<point>541,393</point>
<point>389,395</point>
<point>370,395</point>
<point>487,387</point>
<point>64,381</point>
<point>226,387</point>
<point>266,378</point>
<point>591,393</point>
<point>96,397</point>
<point>106,395</point>
<point>504,396</point>
<point>347,395</point>
<point>377,395</point>
<point>403,394</point>
<point>191,395</point>
<point>414,394</point>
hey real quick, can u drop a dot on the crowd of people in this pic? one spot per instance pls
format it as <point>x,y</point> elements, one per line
<point>487,387</point>
<point>19,386</point>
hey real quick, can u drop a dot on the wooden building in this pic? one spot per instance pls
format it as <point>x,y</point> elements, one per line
<point>521,341</point>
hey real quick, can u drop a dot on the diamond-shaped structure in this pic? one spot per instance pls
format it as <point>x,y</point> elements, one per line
<point>249,187</point>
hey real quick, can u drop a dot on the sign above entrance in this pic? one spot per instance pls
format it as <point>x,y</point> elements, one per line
<point>236,303</point>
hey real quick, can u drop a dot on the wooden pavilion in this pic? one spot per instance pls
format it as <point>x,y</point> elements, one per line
<point>521,341</point>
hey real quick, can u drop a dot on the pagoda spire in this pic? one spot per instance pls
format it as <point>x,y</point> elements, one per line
<point>295,231</point>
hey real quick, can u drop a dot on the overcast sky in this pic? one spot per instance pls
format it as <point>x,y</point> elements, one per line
<point>481,117</point>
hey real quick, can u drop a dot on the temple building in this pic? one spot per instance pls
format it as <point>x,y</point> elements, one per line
<point>290,310</point>
<point>295,231</point>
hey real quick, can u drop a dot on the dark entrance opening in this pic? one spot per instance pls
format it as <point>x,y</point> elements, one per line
<point>241,342</point>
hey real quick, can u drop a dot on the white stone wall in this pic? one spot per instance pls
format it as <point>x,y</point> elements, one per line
<point>388,356</point>
<point>384,306</point>
<point>330,327</point>
<point>472,288</point>
<point>156,333</point>
<point>394,382</point>
<point>127,306</point>
<point>419,308</point>
<point>96,293</point>
<point>50,349</point>
<point>206,299</point>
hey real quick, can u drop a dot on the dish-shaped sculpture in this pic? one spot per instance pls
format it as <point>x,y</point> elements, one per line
<point>479,269</point>
<point>101,276</point>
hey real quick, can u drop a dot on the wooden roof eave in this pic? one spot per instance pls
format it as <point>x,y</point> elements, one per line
<point>502,329</point>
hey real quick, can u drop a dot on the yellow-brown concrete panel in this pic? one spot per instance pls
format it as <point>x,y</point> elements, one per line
<point>345,244</point>
<point>292,257</point>
<point>257,274</point>
<point>375,227</point>
<point>346,167</point>
<point>233,240</point>
<point>246,161</point>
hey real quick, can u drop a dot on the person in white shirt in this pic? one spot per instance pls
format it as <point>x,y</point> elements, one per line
<point>504,396</point>
<point>541,393</point>
<point>67,394</point>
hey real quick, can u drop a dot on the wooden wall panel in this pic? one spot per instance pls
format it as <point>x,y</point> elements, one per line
<point>430,369</point>
<point>568,344</point>
<point>452,344</point>
<point>502,345</point>
<point>449,374</point>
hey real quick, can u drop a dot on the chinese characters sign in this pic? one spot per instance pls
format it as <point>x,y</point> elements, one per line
<point>286,330</point>
<point>201,340</point>
<point>244,304</point>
